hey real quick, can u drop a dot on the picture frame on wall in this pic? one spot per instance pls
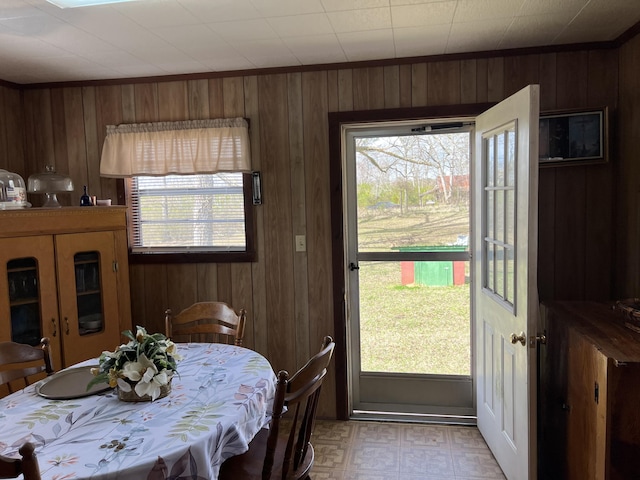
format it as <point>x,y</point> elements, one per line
<point>573,137</point>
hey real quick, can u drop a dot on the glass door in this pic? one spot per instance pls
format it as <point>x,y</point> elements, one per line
<point>24,301</point>
<point>28,293</point>
<point>88,294</point>
<point>409,300</point>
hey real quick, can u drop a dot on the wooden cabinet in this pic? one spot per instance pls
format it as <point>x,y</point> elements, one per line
<point>589,394</point>
<point>64,275</point>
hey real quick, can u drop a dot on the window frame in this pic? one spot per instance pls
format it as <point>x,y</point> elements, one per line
<point>150,257</point>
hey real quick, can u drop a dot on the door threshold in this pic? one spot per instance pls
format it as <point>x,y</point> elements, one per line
<point>405,417</point>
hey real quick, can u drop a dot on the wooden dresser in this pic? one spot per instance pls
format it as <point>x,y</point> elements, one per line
<point>589,394</point>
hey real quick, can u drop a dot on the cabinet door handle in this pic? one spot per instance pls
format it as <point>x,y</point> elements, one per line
<point>55,327</point>
<point>66,321</point>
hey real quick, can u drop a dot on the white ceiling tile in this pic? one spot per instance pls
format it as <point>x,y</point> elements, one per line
<point>476,10</point>
<point>541,7</point>
<point>360,20</point>
<point>162,55</point>
<point>250,30</point>
<point>33,25</point>
<point>270,61</point>
<point>117,59</point>
<point>532,30</point>
<point>77,41</point>
<point>316,49</point>
<point>420,41</point>
<point>299,25</point>
<point>193,37</point>
<point>281,8</point>
<point>27,47</point>
<point>205,53</point>
<point>177,68</point>
<point>367,45</point>
<point>164,13</point>
<point>263,48</point>
<point>229,64</point>
<point>209,11</point>
<point>476,36</point>
<point>139,70</point>
<point>425,14</point>
<point>395,3</point>
<point>338,5</point>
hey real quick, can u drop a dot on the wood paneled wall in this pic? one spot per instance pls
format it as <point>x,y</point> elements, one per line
<point>12,131</point>
<point>627,175</point>
<point>288,293</point>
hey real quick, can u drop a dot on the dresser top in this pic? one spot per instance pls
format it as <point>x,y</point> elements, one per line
<point>601,325</point>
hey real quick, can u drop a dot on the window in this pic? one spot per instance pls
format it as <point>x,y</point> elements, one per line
<point>191,218</point>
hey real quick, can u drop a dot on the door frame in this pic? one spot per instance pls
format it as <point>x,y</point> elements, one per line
<point>339,247</point>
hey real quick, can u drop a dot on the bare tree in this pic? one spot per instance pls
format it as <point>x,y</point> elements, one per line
<point>436,164</point>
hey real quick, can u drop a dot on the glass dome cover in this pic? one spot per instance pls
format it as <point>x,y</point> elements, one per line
<point>50,183</point>
<point>12,191</point>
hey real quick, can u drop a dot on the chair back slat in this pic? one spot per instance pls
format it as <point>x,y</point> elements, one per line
<point>215,321</point>
<point>19,361</point>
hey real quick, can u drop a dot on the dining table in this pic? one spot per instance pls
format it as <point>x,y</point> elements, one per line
<point>220,398</point>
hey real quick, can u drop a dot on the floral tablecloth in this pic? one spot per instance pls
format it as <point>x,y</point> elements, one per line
<point>219,400</point>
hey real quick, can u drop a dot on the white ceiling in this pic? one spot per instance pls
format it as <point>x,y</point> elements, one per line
<point>40,42</point>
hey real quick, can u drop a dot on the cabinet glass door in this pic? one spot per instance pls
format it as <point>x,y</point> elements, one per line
<point>88,292</point>
<point>88,296</point>
<point>24,301</point>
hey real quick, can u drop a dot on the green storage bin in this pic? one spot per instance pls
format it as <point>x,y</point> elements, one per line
<point>434,273</point>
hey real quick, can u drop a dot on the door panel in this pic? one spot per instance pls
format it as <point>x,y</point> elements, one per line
<point>505,280</point>
<point>88,306</point>
<point>39,250</point>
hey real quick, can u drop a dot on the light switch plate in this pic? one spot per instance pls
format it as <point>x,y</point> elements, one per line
<point>301,243</point>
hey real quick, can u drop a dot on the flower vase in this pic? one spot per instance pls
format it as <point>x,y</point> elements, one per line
<point>132,396</point>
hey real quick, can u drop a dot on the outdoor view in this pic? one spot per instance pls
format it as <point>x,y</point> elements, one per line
<point>413,196</point>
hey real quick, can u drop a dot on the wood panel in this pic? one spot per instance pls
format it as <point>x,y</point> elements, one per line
<point>298,215</point>
<point>288,294</point>
<point>278,255</point>
<point>627,216</point>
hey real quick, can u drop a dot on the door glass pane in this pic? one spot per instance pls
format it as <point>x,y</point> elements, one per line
<point>88,292</point>
<point>499,215</point>
<point>511,157</point>
<point>413,196</point>
<point>500,168</point>
<point>491,155</point>
<point>24,300</point>
<point>414,317</point>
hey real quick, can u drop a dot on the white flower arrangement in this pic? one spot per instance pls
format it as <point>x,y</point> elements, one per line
<point>147,362</point>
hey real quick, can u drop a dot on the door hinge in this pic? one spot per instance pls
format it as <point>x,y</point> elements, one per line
<point>115,266</point>
<point>596,392</point>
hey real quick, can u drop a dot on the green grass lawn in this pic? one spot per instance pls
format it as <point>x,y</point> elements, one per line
<point>412,329</point>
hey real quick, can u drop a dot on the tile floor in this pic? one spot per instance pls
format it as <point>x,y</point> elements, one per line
<point>359,450</point>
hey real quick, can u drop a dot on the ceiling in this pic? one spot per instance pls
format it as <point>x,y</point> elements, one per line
<point>40,42</point>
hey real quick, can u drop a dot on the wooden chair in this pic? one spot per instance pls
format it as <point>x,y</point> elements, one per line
<point>207,318</point>
<point>19,361</point>
<point>284,450</point>
<point>27,465</point>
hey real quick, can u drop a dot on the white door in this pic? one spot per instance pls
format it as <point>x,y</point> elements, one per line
<point>505,279</point>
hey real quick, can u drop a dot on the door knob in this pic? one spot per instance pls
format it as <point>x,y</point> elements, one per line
<point>515,338</point>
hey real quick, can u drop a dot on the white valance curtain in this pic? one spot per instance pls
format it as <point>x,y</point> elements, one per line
<point>183,148</point>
